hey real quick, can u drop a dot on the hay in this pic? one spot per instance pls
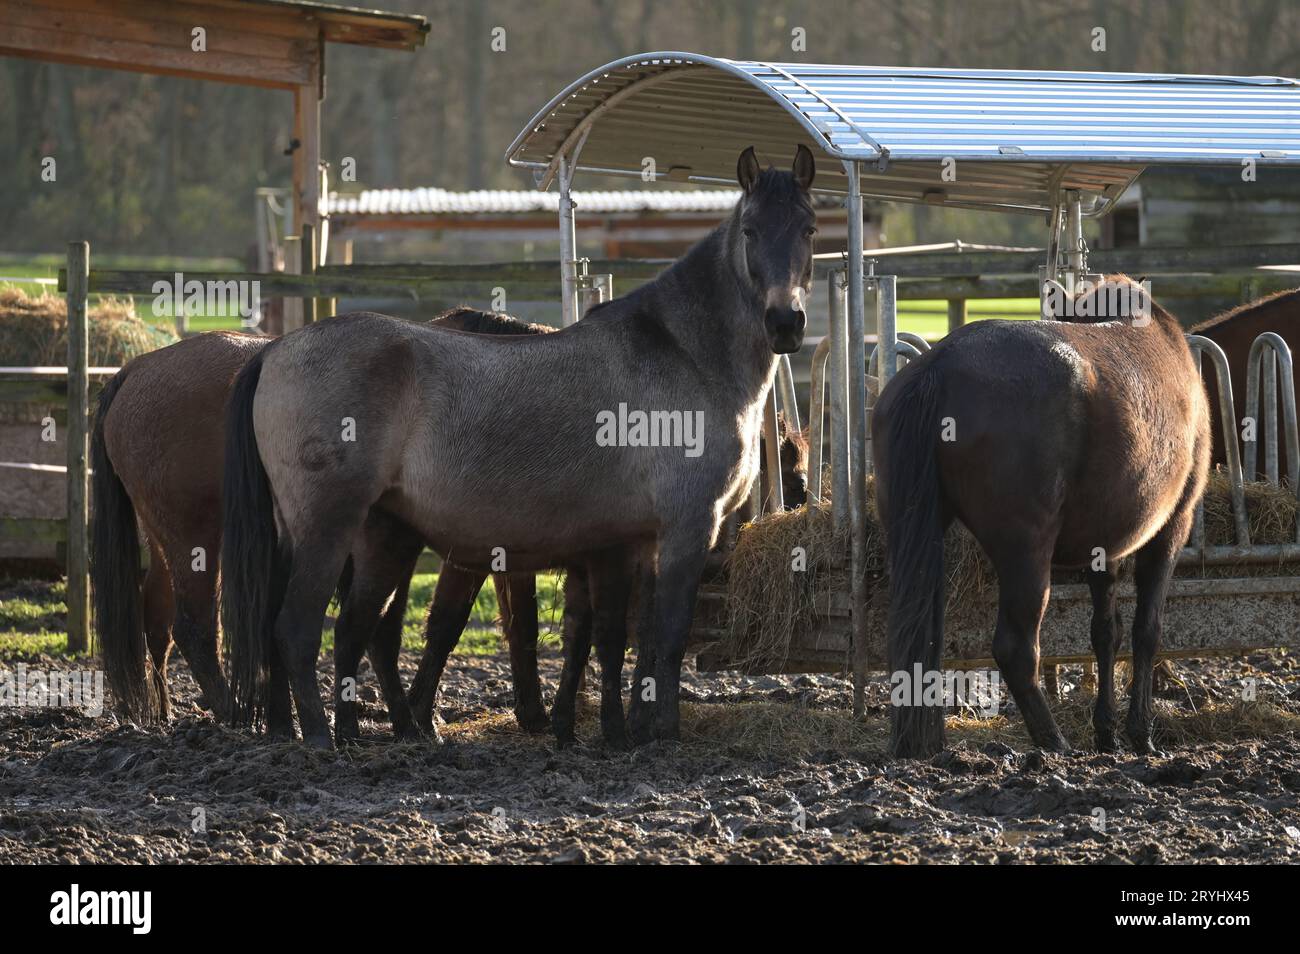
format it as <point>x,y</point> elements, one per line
<point>1270,512</point>
<point>768,600</point>
<point>34,331</point>
<point>1174,727</point>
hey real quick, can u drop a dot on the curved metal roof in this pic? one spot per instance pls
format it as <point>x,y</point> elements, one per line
<point>1017,137</point>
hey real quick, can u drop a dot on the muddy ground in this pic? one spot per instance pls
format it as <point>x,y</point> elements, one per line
<point>772,769</point>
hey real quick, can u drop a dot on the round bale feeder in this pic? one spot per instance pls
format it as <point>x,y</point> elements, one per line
<point>1063,146</point>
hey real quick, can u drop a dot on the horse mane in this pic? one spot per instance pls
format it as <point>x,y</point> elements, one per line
<point>1290,295</point>
<point>464,318</point>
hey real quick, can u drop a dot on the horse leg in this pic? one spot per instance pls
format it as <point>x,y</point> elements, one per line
<point>641,709</point>
<point>453,601</point>
<point>383,559</point>
<point>577,649</point>
<point>609,586</point>
<point>677,580</point>
<point>517,597</point>
<point>1152,569</point>
<point>1105,642</point>
<point>195,631</point>
<point>157,597</point>
<point>1022,598</point>
<point>311,583</point>
<point>385,650</point>
<point>279,702</point>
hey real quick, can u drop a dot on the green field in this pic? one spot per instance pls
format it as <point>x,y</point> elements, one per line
<point>33,617</point>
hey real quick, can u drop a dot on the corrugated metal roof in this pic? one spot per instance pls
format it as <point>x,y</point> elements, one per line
<point>428,201</point>
<point>1017,136</point>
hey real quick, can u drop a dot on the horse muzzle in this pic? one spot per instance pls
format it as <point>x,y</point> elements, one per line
<point>785,328</point>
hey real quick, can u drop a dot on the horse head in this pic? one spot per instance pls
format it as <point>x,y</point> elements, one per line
<point>774,250</point>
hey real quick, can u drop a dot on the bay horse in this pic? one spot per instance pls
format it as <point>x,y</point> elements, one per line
<point>157,451</point>
<point>1055,443</point>
<point>455,594</point>
<point>364,412</point>
<point>1235,331</point>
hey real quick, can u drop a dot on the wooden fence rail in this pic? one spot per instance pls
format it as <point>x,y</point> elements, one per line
<point>955,277</point>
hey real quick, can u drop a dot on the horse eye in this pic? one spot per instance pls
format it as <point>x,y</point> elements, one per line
<point>810,231</point>
<point>751,233</point>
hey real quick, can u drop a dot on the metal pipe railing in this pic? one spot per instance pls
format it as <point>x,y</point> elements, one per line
<point>1270,355</point>
<point>1200,346</point>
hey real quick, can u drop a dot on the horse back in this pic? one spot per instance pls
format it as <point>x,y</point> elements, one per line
<point>164,429</point>
<point>1092,428</point>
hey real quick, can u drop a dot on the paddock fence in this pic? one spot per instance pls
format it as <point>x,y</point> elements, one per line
<point>956,277</point>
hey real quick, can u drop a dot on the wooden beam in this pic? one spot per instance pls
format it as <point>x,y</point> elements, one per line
<point>153,37</point>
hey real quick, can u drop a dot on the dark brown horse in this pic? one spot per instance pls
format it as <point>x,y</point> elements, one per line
<point>456,592</point>
<point>157,453</point>
<point>1235,331</point>
<point>1055,443</point>
<point>365,412</point>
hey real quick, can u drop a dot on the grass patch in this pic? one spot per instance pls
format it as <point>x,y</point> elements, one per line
<point>34,614</point>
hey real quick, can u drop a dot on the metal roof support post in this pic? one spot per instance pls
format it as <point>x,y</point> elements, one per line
<point>789,401</point>
<point>887,326</point>
<point>568,248</point>
<point>775,502</point>
<point>1075,265</point>
<point>857,423</point>
<point>839,333</point>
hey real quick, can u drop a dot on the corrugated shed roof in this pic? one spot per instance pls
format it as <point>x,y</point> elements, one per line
<point>1017,137</point>
<point>428,201</point>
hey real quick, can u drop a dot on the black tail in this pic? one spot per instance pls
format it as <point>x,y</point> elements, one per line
<point>115,576</point>
<point>253,571</point>
<point>914,527</point>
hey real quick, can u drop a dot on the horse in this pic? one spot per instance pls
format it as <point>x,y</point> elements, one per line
<point>157,451</point>
<point>455,594</point>
<point>1074,444</point>
<point>638,585</point>
<point>1235,331</point>
<point>408,423</point>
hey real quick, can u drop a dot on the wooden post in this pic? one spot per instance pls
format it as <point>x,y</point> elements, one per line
<point>291,308</point>
<point>308,250</point>
<point>956,313</point>
<point>78,594</point>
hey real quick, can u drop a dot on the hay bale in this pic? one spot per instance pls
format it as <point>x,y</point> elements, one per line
<point>769,601</point>
<point>34,330</point>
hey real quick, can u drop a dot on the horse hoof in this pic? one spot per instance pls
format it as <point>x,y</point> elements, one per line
<point>408,733</point>
<point>534,723</point>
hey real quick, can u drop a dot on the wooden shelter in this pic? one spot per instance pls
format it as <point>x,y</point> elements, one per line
<point>278,44</point>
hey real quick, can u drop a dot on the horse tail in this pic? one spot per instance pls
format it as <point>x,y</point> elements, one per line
<point>253,571</point>
<point>115,572</point>
<point>914,543</point>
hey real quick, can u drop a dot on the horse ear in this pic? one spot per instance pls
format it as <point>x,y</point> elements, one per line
<point>805,167</point>
<point>747,170</point>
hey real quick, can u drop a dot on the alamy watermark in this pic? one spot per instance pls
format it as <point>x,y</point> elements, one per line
<point>53,689</point>
<point>976,689</point>
<point>1104,300</point>
<point>637,428</point>
<point>193,297</point>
